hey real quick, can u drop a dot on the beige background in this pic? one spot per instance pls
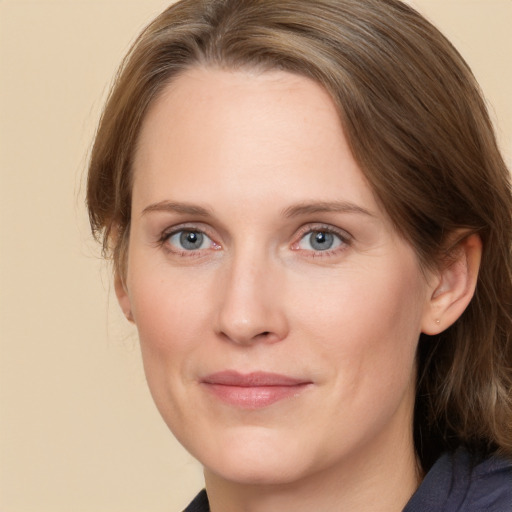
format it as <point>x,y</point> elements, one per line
<point>78,430</point>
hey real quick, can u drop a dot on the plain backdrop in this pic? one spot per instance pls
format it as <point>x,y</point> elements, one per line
<point>78,429</point>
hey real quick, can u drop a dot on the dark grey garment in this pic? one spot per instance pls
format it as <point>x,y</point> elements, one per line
<point>457,482</point>
<point>200,503</point>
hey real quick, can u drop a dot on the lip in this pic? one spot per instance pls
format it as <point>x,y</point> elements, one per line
<point>254,390</point>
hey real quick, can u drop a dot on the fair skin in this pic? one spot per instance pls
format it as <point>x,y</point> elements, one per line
<point>278,310</point>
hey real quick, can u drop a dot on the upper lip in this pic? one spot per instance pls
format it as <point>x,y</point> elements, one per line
<point>253,379</point>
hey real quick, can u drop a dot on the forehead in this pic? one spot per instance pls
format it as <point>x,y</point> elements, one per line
<point>253,133</point>
<point>214,101</point>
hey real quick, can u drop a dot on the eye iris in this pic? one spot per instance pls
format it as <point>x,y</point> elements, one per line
<point>191,240</point>
<point>321,240</point>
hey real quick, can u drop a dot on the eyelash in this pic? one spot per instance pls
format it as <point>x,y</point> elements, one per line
<point>344,238</point>
<point>163,241</point>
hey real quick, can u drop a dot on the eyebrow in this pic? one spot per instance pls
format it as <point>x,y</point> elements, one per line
<point>325,207</point>
<point>291,211</point>
<point>174,207</point>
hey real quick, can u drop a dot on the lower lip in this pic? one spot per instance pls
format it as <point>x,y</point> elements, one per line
<point>254,397</point>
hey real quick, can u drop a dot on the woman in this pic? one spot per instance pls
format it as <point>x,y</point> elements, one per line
<point>310,224</point>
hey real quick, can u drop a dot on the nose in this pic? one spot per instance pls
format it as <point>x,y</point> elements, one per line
<point>251,305</point>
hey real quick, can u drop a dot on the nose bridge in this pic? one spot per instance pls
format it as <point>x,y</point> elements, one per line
<point>250,308</point>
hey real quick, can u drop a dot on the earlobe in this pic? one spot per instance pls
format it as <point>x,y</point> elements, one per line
<point>123,298</point>
<point>454,285</point>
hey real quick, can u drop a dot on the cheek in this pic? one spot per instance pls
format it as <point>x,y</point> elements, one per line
<point>367,324</point>
<point>170,312</point>
<point>170,319</point>
<point>368,300</point>
<point>392,329</point>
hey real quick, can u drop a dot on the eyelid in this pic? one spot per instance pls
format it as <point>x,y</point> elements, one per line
<point>185,226</point>
<point>319,226</point>
<point>167,233</point>
<point>345,237</point>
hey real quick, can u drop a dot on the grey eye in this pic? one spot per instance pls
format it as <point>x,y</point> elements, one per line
<point>189,240</point>
<point>320,241</point>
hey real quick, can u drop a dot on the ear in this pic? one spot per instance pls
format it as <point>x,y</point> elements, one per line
<point>453,286</point>
<point>123,297</point>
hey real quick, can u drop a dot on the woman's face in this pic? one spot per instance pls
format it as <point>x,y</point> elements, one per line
<point>278,310</point>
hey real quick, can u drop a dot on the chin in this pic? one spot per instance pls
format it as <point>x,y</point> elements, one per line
<point>256,471</point>
<point>258,456</point>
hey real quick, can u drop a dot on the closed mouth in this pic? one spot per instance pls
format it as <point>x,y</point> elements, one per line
<point>253,390</point>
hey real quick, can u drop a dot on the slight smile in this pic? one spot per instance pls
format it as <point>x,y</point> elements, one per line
<point>253,390</point>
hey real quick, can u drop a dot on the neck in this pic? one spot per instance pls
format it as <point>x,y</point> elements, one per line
<point>374,479</point>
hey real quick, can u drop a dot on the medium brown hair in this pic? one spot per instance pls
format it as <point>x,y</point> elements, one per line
<point>418,127</point>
